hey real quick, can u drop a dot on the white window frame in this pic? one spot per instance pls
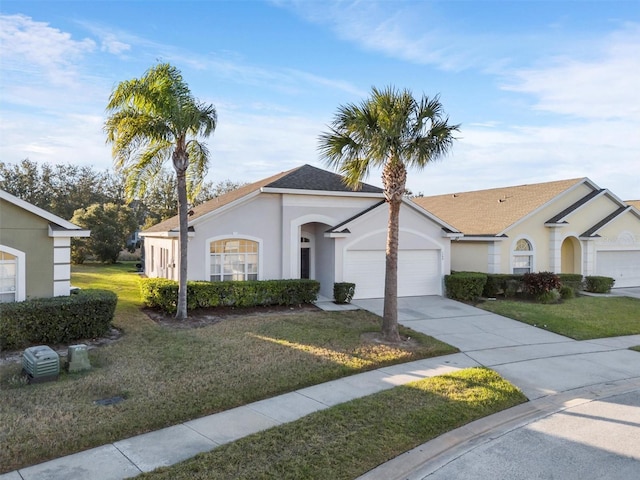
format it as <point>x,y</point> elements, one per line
<point>523,253</point>
<point>20,288</point>
<point>258,241</point>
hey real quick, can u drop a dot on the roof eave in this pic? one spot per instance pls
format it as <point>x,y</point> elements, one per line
<point>295,191</point>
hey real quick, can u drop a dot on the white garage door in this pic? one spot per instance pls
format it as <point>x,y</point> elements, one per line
<point>624,266</point>
<point>418,272</point>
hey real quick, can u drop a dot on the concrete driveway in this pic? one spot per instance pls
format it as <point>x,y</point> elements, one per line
<point>584,418</point>
<point>633,292</point>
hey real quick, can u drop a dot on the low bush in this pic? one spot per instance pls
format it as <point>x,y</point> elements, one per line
<point>163,294</point>
<point>466,286</point>
<point>552,296</point>
<point>597,284</point>
<point>343,292</point>
<point>507,284</point>
<point>573,280</point>
<point>567,292</point>
<point>86,314</point>
<point>538,284</point>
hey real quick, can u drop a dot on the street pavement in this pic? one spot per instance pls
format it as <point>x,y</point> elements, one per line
<point>583,420</point>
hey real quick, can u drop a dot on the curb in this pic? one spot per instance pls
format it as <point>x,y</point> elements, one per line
<point>418,463</point>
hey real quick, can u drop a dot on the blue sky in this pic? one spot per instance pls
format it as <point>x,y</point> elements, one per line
<point>543,90</point>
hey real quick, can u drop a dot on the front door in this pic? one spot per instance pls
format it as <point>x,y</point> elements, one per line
<point>305,264</point>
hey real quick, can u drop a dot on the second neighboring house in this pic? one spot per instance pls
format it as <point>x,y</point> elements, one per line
<point>567,226</point>
<point>35,251</point>
<point>304,223</point>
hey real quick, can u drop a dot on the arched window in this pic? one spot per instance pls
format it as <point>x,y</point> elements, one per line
<point>8,277</point>
<point>234,259</point>
<point>522,257</point>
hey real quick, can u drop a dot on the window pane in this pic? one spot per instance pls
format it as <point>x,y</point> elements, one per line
<point>523,245</point>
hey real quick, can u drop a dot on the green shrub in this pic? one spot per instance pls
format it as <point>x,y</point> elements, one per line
<point>163,294</point>
<point>573,280</point>
<point>507,284</point>
<point>552,296</point>
<point>87,314</point>
<point>343,292</point>
<point>596,284</point>
<point>567,292</point>
<point>465,286</point>
<point>540,283</point>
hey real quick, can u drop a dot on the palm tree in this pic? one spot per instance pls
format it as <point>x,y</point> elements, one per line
<point>152,119</point>
<point>394,131</point>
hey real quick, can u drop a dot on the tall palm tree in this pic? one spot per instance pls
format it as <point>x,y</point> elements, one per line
<point>153,119</point>
<point>393,131</point>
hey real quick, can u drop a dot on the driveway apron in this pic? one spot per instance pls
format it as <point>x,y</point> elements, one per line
<point>583,421</point>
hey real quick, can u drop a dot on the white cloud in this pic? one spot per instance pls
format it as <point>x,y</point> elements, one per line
<point>602,86</point>
<point>34,50</point>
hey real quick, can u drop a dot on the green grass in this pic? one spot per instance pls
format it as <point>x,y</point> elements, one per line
<point>580,318</point>
<point>352,438</point>
<point>171,375</point>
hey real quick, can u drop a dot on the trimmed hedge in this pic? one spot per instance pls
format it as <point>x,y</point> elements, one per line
<point>466,286</point>
<point>163,294</point>
<point>597,284</point>
<point>507,284</point>
<point>86,314</point>
<point>573,280</point>
<point>343,291</point>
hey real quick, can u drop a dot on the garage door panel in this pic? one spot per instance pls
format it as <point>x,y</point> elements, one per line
<point>622,265</point>
<point>418,272</point>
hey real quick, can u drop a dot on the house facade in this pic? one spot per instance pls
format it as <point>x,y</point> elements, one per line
<point>304,223</point>
<point>35,251</point>
<point>568,226</point>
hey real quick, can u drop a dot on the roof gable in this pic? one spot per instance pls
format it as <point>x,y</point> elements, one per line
<point>304,178</point>
<point>312,178</point>
<point>60,224</point>
<point>491,212</point>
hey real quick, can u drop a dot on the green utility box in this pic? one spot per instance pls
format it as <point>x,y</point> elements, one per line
<point>40,364</point>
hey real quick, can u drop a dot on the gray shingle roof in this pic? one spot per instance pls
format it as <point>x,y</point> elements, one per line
<point>312,178</point>
<point>301,178</point>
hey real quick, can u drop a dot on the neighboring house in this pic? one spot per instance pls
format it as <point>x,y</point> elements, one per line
<point>304,223</point>
<point>35,251</point>
<point>568,226</point>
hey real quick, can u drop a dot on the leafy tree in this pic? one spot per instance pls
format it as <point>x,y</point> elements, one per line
<point>60,189</point>
<point>394,131</point>
<point>153,119</point>
<point>110,225</point>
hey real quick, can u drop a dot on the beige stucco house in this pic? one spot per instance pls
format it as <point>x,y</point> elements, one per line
<point>567,226</point>
<point>35,251</point>
<point>304,223</point>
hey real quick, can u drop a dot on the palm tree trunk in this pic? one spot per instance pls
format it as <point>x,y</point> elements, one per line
<point>390,313</point>
<point>181,313</point>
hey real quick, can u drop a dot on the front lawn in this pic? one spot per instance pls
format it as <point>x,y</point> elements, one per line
<point>169,375</point>
<point>580,318</point>
<point>350,439</point>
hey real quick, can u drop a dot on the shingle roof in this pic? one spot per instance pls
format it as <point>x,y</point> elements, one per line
<point>305,177</point>
<point>490,212</point>
<point>312,178</point>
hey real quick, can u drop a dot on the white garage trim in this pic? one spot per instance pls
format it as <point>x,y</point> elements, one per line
<point>419,272</point>
<point>622,265</point>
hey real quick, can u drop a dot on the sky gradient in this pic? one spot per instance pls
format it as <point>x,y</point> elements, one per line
<point>543,90</point>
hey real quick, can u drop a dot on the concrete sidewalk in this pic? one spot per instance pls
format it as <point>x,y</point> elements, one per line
<point>553,371</point>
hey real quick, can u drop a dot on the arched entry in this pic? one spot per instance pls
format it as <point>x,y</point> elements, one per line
<point>570,255</point>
